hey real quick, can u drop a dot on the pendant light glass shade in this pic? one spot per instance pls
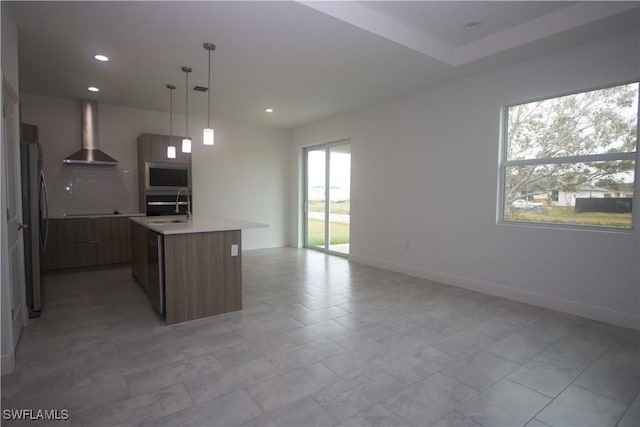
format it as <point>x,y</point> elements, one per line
<point>186,145</point>
<point>208,137</point>
<point>207,133</point>
<point>186,141</point>
<point>171,149</point>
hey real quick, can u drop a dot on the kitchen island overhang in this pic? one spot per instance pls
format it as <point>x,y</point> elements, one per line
<point>194,270</point>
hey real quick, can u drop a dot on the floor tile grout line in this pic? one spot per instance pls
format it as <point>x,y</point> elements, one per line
<point>602,395</point>
<point>629,408</point>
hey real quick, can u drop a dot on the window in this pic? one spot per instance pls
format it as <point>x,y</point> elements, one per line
<point>565,160</point>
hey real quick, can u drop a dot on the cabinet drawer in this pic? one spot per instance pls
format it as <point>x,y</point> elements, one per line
<point>85,242</point>
<point>94,229</point>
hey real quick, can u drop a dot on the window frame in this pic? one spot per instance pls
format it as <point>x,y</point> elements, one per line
<point>504,163</point>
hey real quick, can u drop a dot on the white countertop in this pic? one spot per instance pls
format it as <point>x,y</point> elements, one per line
<point>197,224</point>
<point>95,215</point>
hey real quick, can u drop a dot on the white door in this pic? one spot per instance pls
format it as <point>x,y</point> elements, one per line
<point>12,208</point>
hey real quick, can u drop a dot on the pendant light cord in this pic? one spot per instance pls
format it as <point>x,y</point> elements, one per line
<point>187,106</point>
<point>209,93</point>
<point>171,88</point>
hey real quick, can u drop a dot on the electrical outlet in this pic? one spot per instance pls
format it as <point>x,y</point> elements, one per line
<point>234,250</point>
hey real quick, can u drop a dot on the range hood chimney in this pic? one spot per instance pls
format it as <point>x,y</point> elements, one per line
<point>90,153</point>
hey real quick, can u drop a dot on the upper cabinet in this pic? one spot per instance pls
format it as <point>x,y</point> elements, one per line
<point>153,148</point>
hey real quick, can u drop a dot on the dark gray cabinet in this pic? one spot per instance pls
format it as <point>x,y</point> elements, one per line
<point>153,148</point>
<point>87,242</point>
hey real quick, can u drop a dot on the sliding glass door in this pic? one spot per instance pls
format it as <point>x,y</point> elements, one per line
<point>316,209</point>
<point>327,197</point>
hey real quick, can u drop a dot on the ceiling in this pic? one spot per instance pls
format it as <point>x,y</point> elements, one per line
<point>307,60</point>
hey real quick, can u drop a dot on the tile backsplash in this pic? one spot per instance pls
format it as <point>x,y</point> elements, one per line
<point>91,189</point>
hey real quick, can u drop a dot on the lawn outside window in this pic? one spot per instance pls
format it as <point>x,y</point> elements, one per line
<point>571,160</point>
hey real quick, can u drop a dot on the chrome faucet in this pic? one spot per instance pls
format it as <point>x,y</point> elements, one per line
<point>188,201</point>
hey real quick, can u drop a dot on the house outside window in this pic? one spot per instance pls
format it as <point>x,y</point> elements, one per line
<point>571,159</point>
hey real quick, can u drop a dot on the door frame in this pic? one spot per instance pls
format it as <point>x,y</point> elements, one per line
<point>13,318</point>
<point>305,196</point>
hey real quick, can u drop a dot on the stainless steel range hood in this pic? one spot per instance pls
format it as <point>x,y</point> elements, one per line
<point>90,153</point>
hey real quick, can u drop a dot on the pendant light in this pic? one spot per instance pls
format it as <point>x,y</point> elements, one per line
<point>186,141</point>
<point>171,149</point>
<point>207,133</point>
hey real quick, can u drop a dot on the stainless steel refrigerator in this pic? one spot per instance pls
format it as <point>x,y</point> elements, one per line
<point>34,214</point>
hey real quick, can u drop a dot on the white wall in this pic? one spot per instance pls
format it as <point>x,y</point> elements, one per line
<point>245,175</point>
<point>9,68</point>
<point>424,180</point>
<point>258,158</point>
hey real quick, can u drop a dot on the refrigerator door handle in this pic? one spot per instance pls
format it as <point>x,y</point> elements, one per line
<point>45,220</point>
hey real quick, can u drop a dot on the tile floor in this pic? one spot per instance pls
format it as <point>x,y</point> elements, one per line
<point>321,342</point>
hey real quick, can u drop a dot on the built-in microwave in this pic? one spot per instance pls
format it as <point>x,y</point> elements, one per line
<point>167,175</point>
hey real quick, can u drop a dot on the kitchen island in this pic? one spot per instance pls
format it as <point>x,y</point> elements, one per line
<point>189,268</point>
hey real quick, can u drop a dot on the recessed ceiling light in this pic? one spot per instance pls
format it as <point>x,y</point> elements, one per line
<point>472,25</point>
<point>93,89</point>
<point>269,110</point>
<point>101,58</point>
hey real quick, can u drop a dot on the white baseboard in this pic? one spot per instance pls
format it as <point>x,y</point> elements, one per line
<point>7,363</point>
<point>619,318</point>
